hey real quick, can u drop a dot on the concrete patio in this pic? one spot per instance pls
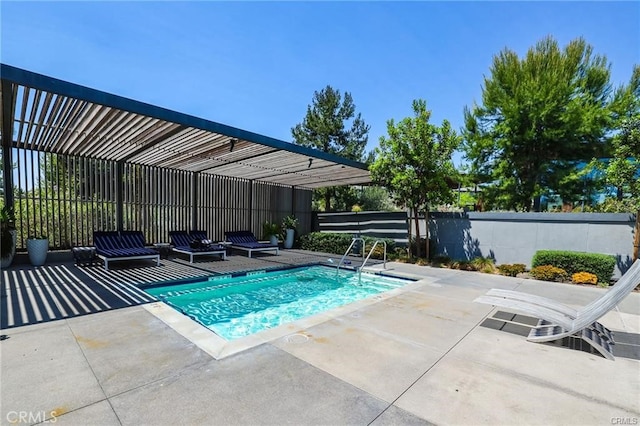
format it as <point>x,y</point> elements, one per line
<point>423,354</point>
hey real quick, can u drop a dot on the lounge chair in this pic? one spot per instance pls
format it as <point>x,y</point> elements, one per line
<point>557,321</point>
<point>245,240</point>
<point>181,241</point>
<point>126,245</point>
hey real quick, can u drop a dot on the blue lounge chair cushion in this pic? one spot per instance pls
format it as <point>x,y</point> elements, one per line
<point>181,240</point>
<point>245,239</point>
<point>128,243</point>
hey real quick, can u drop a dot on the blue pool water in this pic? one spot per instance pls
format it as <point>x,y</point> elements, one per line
<point>235,307</point>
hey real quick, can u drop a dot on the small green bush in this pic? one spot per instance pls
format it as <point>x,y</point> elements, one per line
<point>421,262</point>
<point>338,243</point>
<point>463,265</point>
<point>483,264</point>
<point>601,265</point>
<point>326,242</point>
<point>419,248</point>
<point>548,273</point>
<point>511,270</point>
<point>378,253</point>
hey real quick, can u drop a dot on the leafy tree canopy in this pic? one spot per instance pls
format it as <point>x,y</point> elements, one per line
<point>540,116</point>
<point>332,125</point>
<point>414,161</point>
<point>623,171</point>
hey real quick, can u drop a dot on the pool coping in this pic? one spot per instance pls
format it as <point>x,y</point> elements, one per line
<point>219,348</point>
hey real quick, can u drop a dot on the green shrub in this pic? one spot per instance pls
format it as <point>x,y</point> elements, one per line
<point>325,242</point>
<point>421,246</point>
<point>338,243</point>
<point>397,253</point>
<point>511,270</point>
<point>378,253</point>
<point>463,265</point>
<point>269,229</point>
<point>601,265</point>
<point>548,273</point>
<point>483,264</point>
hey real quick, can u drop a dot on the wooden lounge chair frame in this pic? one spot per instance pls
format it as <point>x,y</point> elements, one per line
<point>557,321</point>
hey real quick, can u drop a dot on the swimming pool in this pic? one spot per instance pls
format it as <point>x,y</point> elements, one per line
<point>234,307</point>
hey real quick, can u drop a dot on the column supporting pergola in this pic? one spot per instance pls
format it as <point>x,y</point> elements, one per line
<point>293,200</point>
<point>7,136</point>
<point>120,195</point>
<point>195,178</point>
<point>250,215</point>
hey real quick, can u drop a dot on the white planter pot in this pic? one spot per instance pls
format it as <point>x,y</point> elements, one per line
<point>273,240</point>
<point>288,241</point>
<point>7,258</point>
<point>37,249</point>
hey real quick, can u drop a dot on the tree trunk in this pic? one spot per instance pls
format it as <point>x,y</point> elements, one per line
<point>426,237</point>
<point>327,200</point>
<point>409,231</point>
<point>536,203</point>
<point>636,237</point>
<point>417,222</point>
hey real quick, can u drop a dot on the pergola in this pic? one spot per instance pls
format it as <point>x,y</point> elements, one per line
<point>45,114</point>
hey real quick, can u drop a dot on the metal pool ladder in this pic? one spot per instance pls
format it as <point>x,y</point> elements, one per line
<point>364,261</point>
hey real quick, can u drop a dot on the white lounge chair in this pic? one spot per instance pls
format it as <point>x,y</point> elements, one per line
<point>557,321</point>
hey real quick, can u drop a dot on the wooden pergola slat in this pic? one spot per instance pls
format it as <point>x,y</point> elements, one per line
<point>65,118</point>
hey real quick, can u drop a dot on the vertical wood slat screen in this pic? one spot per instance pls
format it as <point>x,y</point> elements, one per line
<point>66,198</point>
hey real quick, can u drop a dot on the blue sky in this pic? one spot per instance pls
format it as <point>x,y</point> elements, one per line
<point>255,65</point>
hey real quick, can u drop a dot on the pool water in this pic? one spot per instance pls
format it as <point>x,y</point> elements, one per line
<point>235,307</point>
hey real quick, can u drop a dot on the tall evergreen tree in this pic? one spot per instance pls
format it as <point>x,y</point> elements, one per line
<point>332,125</point>
<point>540,116</point>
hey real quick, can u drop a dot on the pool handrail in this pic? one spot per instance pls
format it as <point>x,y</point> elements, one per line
<point>353,241</point>
<point>371,252</point>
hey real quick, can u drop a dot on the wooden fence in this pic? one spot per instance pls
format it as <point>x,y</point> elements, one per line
<point>66,198</point>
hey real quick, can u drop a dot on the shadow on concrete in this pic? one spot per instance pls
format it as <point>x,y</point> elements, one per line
<point>627,345</point>
<point>459,245</point>
<point>32,295</point>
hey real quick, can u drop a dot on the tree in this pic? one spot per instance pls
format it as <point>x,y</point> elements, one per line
<point>375,198</point>
<point>623,172</point>
<point>540,116</point>
<point>414,163</point>
<point>331,125</point>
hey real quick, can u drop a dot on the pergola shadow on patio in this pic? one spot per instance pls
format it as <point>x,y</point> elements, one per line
<point>78,160</point>
<point>32,295</point>
<point>421,355</point>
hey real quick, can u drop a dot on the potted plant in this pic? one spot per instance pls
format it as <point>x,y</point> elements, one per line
<point>38,247</point>
<point>271,231</point>
<point>8,234</point>
<point>289,225</point>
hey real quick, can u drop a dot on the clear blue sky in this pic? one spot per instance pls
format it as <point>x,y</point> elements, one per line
<point>255,65</point>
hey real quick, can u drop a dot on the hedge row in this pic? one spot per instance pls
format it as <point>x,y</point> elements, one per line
<point>601,265</point>
<point>338,243</point>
